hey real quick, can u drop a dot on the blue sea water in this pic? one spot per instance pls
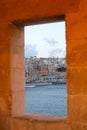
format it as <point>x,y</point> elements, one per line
<point>50,100</point>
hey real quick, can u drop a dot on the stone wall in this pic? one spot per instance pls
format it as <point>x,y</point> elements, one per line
<point>14,15</point>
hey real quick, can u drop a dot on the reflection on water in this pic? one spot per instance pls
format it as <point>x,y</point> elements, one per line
<point>50,100</point>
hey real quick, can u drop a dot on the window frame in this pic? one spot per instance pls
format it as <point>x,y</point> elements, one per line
<point>18,35</point>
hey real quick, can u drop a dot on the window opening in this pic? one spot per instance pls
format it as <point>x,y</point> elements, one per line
<point>45,69</point>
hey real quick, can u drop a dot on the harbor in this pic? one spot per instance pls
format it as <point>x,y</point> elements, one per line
<point>50,100</point>
<point>44,71</point>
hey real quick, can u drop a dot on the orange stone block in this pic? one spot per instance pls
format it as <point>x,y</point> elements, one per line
<point>4,81</point>
<point>17,60</point>
<point>76,126</point>
<point>4,123</point>
<point>84,126</point>
<point>18,103</point>
<point>74,81</point>
<point>74,107</point>
<point>58,126</point>
<point>18,124</point>
<point>5,34</point>
<point>4,56</point>
<point>5,106</point>
<point>17,80</point>
<point>83,7</point>
<point>84,109</point>
<point>17,36</point>
<point>76,26</point>
<point>77,53</point>
<point>77,81</point>
<point>38,125</point>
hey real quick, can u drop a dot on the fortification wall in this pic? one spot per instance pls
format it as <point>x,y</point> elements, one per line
<point>14,15</point>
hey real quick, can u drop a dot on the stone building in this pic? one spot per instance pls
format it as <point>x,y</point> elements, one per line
<point>14,15</point>
<point>43,67</point>
<point>50,79</point>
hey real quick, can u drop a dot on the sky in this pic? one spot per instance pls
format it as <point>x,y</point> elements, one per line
<point>45,40</point>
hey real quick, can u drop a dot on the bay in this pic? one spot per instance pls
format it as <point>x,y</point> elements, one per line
<point>50,100</point>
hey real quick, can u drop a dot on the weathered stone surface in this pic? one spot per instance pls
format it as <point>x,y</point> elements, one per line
<point>76,26</point>
<point>74,86</point>
<point>5,35</point>
<point>17,81</point>
<point>18,103</point>
<point>4,81</point>
<point>5,106</point>
<point>31,9</point>
<point>77,53</point>
<point>18,124</point>
<point>4,123</point>
<point>37,125</point>
<point>74,108</point>
<point>57,126</point>
<point>84,109</point>
<point>76,126</point>
<point>13,16</point>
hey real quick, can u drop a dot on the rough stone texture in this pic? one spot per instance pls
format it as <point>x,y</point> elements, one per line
<point>14,15</point>
<point>18,103</point>
<point>18,124</point>
<point>77,47</point>
<point>4,125</point>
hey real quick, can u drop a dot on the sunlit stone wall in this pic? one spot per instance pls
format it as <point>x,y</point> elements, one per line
<point>13,16</point>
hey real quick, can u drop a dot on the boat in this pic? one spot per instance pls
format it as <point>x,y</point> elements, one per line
<point>30,85</point>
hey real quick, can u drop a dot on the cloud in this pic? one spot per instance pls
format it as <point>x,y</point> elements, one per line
<point>50,41</point>
<point>30,50</point>
<point>45,40</point>
<point>58,53</point>
<point>45,48</point>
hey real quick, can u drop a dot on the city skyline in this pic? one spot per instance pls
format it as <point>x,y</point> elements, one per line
<point>45,40</point>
